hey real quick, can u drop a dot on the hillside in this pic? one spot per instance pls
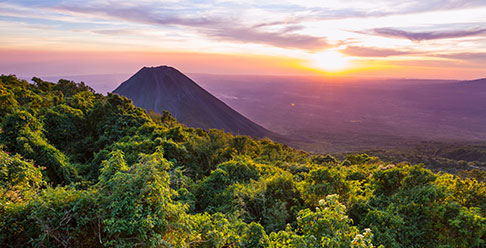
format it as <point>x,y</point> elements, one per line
<point>474,83</point>
<point>80,169</point>
<point>164,88</point>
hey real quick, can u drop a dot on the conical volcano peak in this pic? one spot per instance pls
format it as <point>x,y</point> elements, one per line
<point>159,68</point>
<point>165,88</point>
<point>164,69</point>
<point>163,76</point>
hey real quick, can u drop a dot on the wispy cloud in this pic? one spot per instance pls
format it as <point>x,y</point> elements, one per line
<point>140,13</point>
<point>466,56</point>
<point>117,32</point>
<point>431,35</point>
<point>381,8</point>
<point>285,40</point>
<point>219,28</point>
<point>360,51</point>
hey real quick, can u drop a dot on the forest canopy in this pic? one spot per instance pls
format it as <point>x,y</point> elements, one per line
<point>80,169</point>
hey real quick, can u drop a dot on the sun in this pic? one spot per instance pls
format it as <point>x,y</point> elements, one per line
<point>330,60</point>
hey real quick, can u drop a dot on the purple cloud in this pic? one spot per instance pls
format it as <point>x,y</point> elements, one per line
<point>214,27</point>
<point>433,35</point>
<point>117,32</point>
<point>360,51</point>
<point>479,56</point>
<point>279,39</point>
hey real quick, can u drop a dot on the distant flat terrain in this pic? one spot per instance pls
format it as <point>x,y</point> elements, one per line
<point>350,114</point>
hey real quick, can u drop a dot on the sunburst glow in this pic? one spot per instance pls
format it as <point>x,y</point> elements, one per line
<point>330,61</point>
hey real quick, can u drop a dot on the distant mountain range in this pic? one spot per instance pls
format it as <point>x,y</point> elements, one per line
<point>165,88</point>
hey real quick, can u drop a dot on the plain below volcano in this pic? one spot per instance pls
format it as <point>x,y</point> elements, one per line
<point>165,88</point>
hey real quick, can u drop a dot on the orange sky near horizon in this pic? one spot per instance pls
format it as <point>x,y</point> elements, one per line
<point>30,63</point>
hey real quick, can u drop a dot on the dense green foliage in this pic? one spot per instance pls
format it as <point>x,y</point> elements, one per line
<point>79,169</point>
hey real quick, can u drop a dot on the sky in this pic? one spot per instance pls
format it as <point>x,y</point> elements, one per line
<point>443,39</point>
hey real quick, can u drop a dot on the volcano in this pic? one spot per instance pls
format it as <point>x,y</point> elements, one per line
<point>165,88</point>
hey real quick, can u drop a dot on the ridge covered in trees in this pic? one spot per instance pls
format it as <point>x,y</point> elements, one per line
<point>79,169</point>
